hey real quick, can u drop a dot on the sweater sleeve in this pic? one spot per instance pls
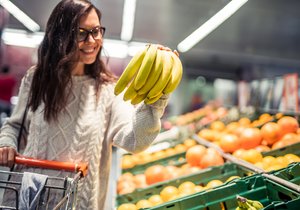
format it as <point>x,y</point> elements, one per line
<point>134,128</point>
<point>10,129</point>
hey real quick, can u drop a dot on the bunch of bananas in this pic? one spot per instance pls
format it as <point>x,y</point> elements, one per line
<point>151,73</point>
<point>247,204</point>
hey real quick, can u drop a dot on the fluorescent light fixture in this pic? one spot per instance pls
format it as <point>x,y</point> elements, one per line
<point>128,19</point>
<point>134,47</point>
<point>115,48</point>
<point>210,25</point>
<point>22,38</point>
<point>20,15</point>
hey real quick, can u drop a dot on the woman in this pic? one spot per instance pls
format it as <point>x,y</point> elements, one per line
<point>73,113</point>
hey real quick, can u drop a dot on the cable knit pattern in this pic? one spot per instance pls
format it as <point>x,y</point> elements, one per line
<point>85,132</point>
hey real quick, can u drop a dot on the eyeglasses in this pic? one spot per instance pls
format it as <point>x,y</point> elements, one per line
<point>96,33</point>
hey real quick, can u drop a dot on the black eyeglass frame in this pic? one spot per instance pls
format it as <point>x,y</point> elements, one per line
<point>101,30</point>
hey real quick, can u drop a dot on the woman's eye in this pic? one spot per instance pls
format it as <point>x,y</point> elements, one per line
<point>96,32</point>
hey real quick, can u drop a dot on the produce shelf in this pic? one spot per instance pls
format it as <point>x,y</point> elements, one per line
<point>200,178</point>
<point>257,187</point>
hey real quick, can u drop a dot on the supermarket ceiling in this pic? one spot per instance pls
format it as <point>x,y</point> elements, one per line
<point>262,32</point>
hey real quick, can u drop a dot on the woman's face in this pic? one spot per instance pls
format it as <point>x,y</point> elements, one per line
<point>89,38</point>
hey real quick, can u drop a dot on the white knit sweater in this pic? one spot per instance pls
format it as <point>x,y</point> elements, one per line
<point>85,132</point>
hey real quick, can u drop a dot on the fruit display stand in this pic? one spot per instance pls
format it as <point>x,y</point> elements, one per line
<point>175,160</point>
<point>279,190</point>
<point>287,177</point>
<point>201,178</point>
<point>290,149</point>
<point>257,187</point>
<point>291,173</point>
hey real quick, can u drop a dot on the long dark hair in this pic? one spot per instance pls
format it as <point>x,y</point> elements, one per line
<point>57,55</point>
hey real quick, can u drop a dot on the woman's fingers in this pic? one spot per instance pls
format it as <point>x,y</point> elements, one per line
<point>11,157</point>
<point>7,156</point>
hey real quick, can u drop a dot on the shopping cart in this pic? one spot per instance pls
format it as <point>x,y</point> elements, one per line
<point>66,186</point>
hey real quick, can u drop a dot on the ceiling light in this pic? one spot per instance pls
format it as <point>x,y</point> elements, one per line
<point>210,25</point>
<point>128,20</point>
<point>20,15</point>
<point>115,48</point>
<point>134,47</point>
<point>22,38</point>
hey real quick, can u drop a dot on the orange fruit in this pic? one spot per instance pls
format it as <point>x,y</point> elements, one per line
<point>259,165</point>
<point>232,126</point>
<point>250,138</point>
<point>229,143</point>
<point>207,134</point>
<point>173,171</point>
<point>214,183</point>
<point>239,153</point>
<point>189,142</point>
<point>127,162</point>
<point>252,156</point>
<point>262,148</point>
<point>170,151</point>
<point>274,167</point>
<point>155,200</point>
<point>267,161</point>
<point>126,176</point>
<point>127,206</point>
<point>180,148</point>
<point>186,186</point>
<point>292,158</point>
<point>156,173</point>
<point>217,125</point>
<point>281,160</point>
<point>141,204</point>
<point>271,132</point>
<point>140,180</point>
<point>211,158</point>
<point>194,154</point>
<point>169,193</point>
<point>159,155</point>
<point>244,121</point>
<point>287,139</point>
<point>265,117</point>
<point>288,124</point>
<point>199,188</point>
<point>145,157</point>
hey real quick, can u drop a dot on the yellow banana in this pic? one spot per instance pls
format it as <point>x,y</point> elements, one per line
<point>154,99</point>
<point>256,204</point>
<point>244,203</point>
<point>164,76</point>
<point>154,74</point>
<point>176,75</point>
<point>130,93</point>
<point>138,99</point>
<point>145,67</point>
<point>130,71</point>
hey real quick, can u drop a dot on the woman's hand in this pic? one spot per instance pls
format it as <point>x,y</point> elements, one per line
<point>7,156</point>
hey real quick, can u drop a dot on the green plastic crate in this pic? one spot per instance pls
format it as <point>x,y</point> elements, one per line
<point>294,149</point>
<point>291,173</point>
<point>200,178</point>
<point>271,194</point>
<point>176,160</point>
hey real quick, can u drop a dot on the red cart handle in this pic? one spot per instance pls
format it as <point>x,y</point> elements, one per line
<point>49,164</point>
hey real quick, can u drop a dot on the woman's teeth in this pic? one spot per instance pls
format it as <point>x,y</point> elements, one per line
<point>88,50</point>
